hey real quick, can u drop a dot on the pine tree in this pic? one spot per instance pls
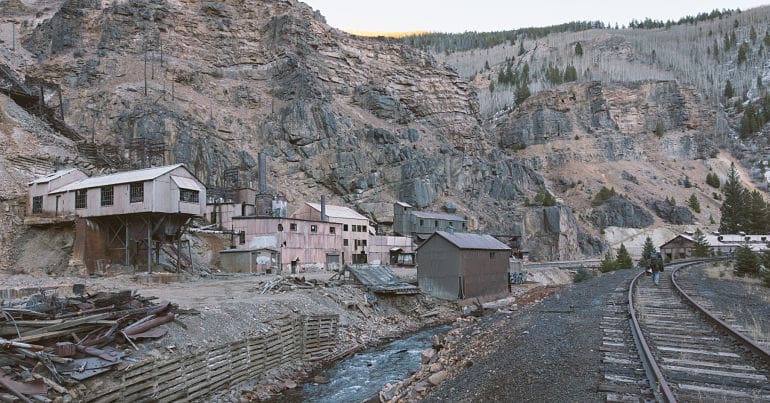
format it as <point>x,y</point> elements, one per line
<point>521,48</point>
<point>746,262</point>
<point>729,92</point>
<point>712,180</point>
<point>522,93</point>
<point>716,50</point>
<point>659,129</point>
<point>693,203</point>
<point>753,34</point>
<point>623,260</point>
<point>578,49</point>
<point>570,74</point>
<point>608,264</point>
<point>756,213</point>
<point>647,250</point>
<point>733,206</point>
<point>743,52</point>
<point>701,248</point>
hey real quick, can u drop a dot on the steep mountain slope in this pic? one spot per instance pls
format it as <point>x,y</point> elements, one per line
<point>366,120</point>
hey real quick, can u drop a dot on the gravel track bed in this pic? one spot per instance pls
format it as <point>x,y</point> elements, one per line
<point>739,301</point>
<point>548,351</point>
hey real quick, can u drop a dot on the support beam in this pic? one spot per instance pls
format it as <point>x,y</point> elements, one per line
<point>149,247</point>
<point>128,253</point>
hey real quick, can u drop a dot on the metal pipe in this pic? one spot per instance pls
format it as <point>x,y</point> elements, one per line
<point>323,207</point>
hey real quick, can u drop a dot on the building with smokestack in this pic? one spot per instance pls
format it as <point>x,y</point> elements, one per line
<point>355,228</point>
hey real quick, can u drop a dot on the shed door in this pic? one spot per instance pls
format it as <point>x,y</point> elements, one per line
<point>332,262</point>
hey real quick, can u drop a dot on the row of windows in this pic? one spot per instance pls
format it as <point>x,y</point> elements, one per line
<point>354,228</point>
<point>136,195</point>
<point>435,223</point>
<point>313,228</point>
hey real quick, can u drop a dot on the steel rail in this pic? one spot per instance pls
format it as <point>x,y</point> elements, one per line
<point>746,340</point>
<point>644,349</point>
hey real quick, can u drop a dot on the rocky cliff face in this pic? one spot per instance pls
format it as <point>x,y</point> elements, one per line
<point>367,121</point>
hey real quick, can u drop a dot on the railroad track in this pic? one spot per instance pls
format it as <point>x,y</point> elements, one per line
<point>689,355</point>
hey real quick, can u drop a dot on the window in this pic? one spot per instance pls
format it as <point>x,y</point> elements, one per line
<point>354,228</point>
<point>108,196</point>
<point>344,227</point>
<point>463,225</point>
<point>137,192</point>
<point>344,242</point>
<point>331,230</point>
<point>362,228</point>
<point>80,198</point>
<point>293,227</point>
<point>37,204</point>
<point>491,255</point>
<point>313,228</point>
<point>436,223</point>
<point>421,223</point>
<point>188,196</point>
<point>363,242</point>
<point>280,227</point>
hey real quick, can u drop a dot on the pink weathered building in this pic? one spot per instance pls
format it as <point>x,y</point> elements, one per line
<point>300,242</point>
<point>355,228</point>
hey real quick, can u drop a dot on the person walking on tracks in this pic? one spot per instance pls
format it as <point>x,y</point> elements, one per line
<point>655,265</point>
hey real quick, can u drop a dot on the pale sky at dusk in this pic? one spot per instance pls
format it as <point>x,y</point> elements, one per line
<point>497,15</point>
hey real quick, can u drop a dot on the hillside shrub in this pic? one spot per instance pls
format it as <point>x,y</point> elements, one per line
<point>582,274</point>
<point>603,195</point>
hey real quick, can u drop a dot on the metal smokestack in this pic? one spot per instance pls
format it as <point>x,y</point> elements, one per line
<point>262,174</point>
<point>323,207</point>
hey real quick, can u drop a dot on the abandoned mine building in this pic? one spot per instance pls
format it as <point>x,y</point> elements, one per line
<point>125,218</point>
<point>463,265</point>
<point>355,229</point>
<point>682,246</point>
<point>421,224</point>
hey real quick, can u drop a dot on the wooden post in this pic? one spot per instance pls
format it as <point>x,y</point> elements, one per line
<point>149,247</point>
<point>128,258</point>
<point>179,254</point>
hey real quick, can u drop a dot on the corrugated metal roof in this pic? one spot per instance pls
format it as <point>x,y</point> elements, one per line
<point>186,183</point>
<point>333,211</point>
<point>437,216</point>
<point>381,279</point>
<point>464,240</point>
<point>50,177</point>
<point>139,175</point>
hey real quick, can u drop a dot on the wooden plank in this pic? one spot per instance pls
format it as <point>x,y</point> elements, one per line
<point>68,324</point>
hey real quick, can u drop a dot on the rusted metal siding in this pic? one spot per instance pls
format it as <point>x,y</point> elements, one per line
<point>429,225</point>
<point>438,268</point>
<point>310,247</point>
<point>484,272</point>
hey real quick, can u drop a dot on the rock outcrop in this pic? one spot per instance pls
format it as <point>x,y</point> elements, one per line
<point>619,211</point>
<point>670,213</point>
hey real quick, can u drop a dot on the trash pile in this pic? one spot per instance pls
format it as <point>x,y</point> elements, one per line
<point>48,343</point>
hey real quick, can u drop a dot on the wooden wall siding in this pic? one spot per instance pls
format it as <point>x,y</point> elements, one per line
<point>42,189</point>
<point>484,275</point>
<point>438,270</point>
<point>194,376</point>
<point>161,195</point>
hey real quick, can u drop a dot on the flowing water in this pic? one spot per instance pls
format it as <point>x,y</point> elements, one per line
<point>361,376</point>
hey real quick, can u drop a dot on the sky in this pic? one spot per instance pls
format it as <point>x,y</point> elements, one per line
<point>498,15</point>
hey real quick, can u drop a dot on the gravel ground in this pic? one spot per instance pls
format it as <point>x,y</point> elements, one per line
<point>741,301</point>
<point>546,352</point>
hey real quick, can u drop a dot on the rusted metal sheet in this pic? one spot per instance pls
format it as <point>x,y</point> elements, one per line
<point>381,279</point>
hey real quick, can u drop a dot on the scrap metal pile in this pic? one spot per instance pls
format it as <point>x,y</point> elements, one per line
<point>48,343</point>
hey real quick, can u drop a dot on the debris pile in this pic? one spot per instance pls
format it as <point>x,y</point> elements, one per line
<point>290,283</point>
<point>48,343</point>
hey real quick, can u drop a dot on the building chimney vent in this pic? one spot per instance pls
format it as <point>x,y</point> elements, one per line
<point>262,174</point>
<point>323,207</point>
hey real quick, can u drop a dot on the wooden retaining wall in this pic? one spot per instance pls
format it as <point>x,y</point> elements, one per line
<point>194,376</point>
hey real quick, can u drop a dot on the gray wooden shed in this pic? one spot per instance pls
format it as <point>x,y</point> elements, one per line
<point>462,265</point>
